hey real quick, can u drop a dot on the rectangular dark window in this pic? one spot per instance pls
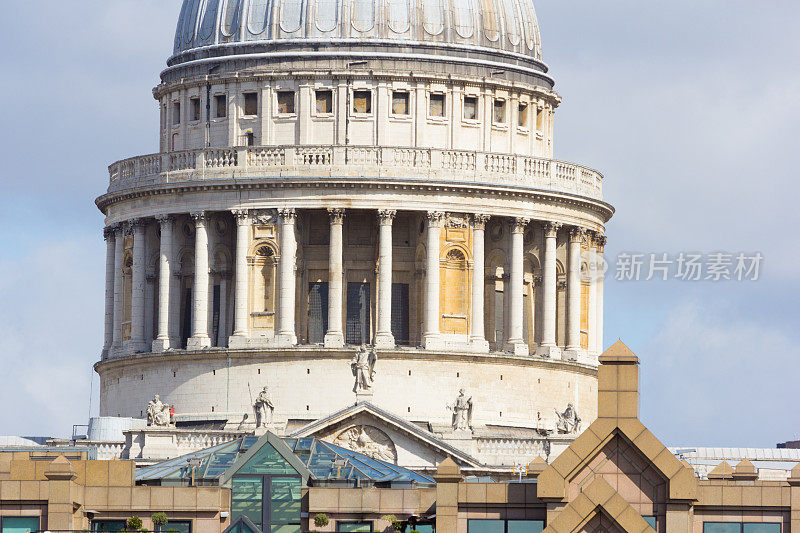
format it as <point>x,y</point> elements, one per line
<point>353,527</point>
<point>221,105</point>
<point>324,102</point>
<point>471,107</point>
<point>251,104</point>
<point>738,527</point>
<point>215,309</point>
<point>761,527</point>
<point>108,526</point>
<point>437,108</point>
<point>358,314</point>
<point>195,105</point>
<point>186,323</point>
<point>504,526</point>
<point>177,526</point>
<point>285,102</point>
<point>400,101</point>
<point>20,524</point>
<point>317,311</point>
<point>499,116</point>
<point>176,113</point>
<point>522,115</point>
<point>362,102</point>
<point>400,312</point>
<point>250,138</point>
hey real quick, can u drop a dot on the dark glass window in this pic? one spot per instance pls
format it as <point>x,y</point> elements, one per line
<point>317,311</point>
<point>324,102</point>
<point>738,527</point>
<point>195,102</point>
<point>353,527</point>
<point>285,102</point>
<point>505,526</point>
<point>358,327</point>
<point>471,107</point>
<point>105,526</point>
<point>400,101</point>
<point>251,138</point>
<point>221,104</point>
<point>437,108</point>
<point>176,113</point>
<point>400,312</point>
<point>251,104</point>
<point>765,527</point>
<point>177,526</point>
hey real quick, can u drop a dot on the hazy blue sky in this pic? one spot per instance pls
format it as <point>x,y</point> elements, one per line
<point>691,109</point>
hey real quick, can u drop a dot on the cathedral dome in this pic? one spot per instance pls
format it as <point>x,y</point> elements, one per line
<point>503,27</point>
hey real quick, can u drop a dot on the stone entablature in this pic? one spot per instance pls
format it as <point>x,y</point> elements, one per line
<point>383,163</point>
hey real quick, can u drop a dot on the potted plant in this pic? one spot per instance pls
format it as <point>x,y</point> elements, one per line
<point>321,520</point>
<point>159,520</point>
<point>133,523</point>
<point>397,525</point>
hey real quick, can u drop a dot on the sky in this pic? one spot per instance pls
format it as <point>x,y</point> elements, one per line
<point>690,108</point>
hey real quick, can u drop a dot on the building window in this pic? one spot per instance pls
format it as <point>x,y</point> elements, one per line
<point>362,102</point>
<point>739,527</point>
<point>195,106</point>
<point>285,102</point>
<point>499,116</point>
<point>324,102</point>
<point>522,115</point>
<point>437,108</point>
<point>251,104</point>
<point>108,526</point>
<point>221,105</point>
<point>177,526</point>
<point>539,119</point>
<point>353,527</point>
<point>251,138</point>
<point>176,113</point>
<point>504,526</point>
<point>471,107</point>
<point>400,101</point>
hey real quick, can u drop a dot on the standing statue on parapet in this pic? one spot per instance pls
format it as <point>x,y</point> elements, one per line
<point>264,408</point>
<point>363,367</point>
<point>158,414</point>
<point>568,421</point>
<point>462,412</point>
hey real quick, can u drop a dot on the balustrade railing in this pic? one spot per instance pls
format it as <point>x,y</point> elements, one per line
<point>367,161</point>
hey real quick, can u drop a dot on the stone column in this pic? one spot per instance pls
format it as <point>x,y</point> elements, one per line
<point>431,338</point>
<point>200,338</point>
<point>477,338</point>
<point>383,336</point>
<point>287,335</point>
<point>240,297</point>
<point>165,270</point>
<point>516,344</point>
<point>138,283</point>
<point>592,352</point>
<point>116,337</point>
<point>574,293</point>
<point>110,235</point>
<point>548,347</point>
<point>599,346</point>
<point>334,337</point>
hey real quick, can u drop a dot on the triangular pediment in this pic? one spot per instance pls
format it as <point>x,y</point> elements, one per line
<point>372,431</point>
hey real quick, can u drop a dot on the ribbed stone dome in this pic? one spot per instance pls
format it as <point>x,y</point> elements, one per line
<point>504,25</point>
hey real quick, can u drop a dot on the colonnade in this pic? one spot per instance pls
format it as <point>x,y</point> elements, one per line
<point>285,330</point>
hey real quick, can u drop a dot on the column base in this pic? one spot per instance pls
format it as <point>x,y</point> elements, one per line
<point>238,341</point>
<point>285,340</point>
<point>334,340</point>
<point>161,345</point>
<point>199,342</point>
<point>571,353</point>
<point>384,340</point>
<point>134,346</point>
<point>105,353</point>
<point>432,341</point>
<point>549,352</point>
<point>517,347</point>
<point>479,345</point>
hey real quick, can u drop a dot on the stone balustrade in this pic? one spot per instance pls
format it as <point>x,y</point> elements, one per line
<point>320,161</point>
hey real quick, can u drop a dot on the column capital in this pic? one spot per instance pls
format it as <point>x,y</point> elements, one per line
<point>134,225</point>
<point>386,216</point>
<point>537,280</point>
<point>435,218</point>
<point>336,215</point>
<point>479,220</point>
<point>288,214</point>
<point>199,217</point>
<point>242,216</point>
<point>577,234</point>
<point>600,241</point>
<point>519,224</point>
<point>165,219</point>
<point>551,229</point>
<point>110,232</point>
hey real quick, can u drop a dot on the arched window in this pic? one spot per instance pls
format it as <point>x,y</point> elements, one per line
<point>455,293</point>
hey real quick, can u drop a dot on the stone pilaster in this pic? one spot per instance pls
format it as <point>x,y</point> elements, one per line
<point>110,235</point>
<point>477,337</point>
<point>287,336</point>
<point>592,318</point>
<point>431,338</point>
<point>137,342</point>
<point>334,337</point>
<point>200,338</point>
<point>516,344</point>
<point>116,337</point>
<point>600,242</point>
<point>576,236</point>
<point>166,263</point>
<point>383,336</point>
<point>548,346</point>
<point>240,299</point>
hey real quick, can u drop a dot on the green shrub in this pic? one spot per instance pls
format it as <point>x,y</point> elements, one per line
<point>133,523</point>
<point>321,520</point>
<point>159,519</point>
